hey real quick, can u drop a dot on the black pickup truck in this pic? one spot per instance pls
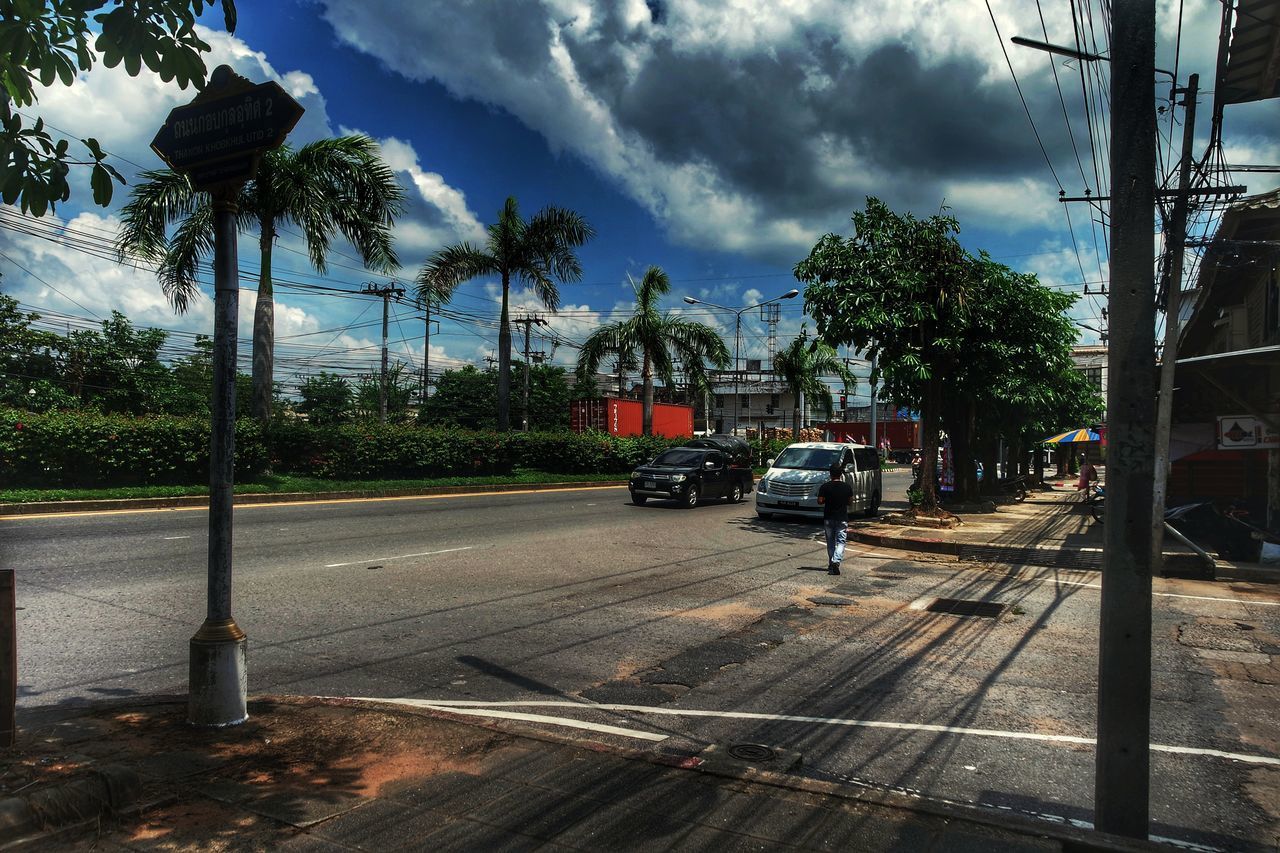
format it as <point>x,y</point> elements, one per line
<point>691,475</point>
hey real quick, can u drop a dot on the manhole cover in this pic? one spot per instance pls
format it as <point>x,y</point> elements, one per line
<point>966,607</point>
<point>752,752</point>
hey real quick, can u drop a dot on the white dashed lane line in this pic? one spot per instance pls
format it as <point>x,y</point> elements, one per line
<point>397,557</point>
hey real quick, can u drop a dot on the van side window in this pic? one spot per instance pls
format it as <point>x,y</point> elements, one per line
<point>867,458</point>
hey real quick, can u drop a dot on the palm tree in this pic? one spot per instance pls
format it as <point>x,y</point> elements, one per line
<point>327,187</point>
<point>802,364</point>
<point>536,251</point>
<point>661,339</point>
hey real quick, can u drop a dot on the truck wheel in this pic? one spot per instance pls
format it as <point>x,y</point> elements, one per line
<point>691,497</point>
<point>639,500</point>
<point>735,494</point>
<point>874,506</point>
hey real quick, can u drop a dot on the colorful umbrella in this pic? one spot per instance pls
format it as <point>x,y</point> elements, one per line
<point>1073,436</point>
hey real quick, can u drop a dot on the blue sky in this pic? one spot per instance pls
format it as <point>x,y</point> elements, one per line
<point>717,140</point>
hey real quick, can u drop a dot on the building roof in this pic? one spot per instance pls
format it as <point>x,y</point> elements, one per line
<point>1252,71</point>
<point>1249,229</point>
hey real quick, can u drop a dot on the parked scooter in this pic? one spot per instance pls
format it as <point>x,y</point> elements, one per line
<point>1204,522</point>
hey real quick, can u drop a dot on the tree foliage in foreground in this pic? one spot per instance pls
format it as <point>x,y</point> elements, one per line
<point>43,42</point>
<point>982,350</point>
<point>896,289</point>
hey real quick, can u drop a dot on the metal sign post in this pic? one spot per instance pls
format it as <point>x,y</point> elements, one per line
<point>217,140</point>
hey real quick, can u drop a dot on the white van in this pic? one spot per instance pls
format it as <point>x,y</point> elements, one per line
<point>790,486</point>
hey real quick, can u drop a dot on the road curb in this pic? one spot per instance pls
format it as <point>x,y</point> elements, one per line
<point>112,789</point>
<point>42,507</point>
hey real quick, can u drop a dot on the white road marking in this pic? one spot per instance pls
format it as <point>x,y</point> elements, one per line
<point>870,724</point>
<point>399,557</point>
<point>513,715</point>
<point>168,538</point>
<point>1162,594</point>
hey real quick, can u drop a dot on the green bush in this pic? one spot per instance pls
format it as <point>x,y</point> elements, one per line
<point>81,448</point>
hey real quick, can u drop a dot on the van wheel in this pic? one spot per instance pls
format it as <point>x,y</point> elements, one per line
<point>735,494</point>
<point>639,500</point>
<point>874,506</point>
<point>691,497</point>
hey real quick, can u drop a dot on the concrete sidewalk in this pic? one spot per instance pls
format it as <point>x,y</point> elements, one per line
<point>1052,527</point>
<point>309,774</point>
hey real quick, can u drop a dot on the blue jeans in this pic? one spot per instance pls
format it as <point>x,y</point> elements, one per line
<point>836,532</point>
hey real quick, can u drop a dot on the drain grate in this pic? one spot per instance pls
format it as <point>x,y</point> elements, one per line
<point>755,752</point>
<point>966,607</point>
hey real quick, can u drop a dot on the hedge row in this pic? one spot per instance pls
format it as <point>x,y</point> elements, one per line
<point>89,449</point>
<point>79,449</point>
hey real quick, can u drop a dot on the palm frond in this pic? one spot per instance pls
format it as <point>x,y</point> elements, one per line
<point>160,198</point>
<point>449,267</point>
<point>600,344</point>
<point>180,265</point>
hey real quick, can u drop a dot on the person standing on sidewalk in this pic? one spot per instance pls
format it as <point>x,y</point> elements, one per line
<point>1088,474</point>
<point>835,496</point>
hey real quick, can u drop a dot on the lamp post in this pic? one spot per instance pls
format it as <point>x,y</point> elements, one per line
<point>737,335</point>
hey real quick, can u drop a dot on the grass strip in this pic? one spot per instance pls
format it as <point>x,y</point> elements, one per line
<point>287,483</point>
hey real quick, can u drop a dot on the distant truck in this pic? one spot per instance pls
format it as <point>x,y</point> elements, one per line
<point>626,417</point>
<point>904,436</point>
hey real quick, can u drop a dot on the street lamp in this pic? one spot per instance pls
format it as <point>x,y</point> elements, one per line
<point>737,335</point>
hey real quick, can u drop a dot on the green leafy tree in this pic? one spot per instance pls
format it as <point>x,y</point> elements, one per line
<point>402,387</point>
<point>661,339</point>
<point>466,397</point>
<point>802,364</point>
<point>327,398</point>
<point>118,369</point>
<point>549,396</point>
<point>30,371</point>
<point>190,388</point>
<point>43,41</point>
<point>895,289</point>
<point>537,252</point>
<point>325,188</point>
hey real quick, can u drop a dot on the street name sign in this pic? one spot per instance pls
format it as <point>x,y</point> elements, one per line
<point>217,138</point>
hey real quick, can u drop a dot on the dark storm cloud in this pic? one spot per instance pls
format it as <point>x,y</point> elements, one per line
<point>760,118</point>
<point>751,130</point>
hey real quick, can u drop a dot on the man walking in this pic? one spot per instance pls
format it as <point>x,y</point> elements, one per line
<point>835,496</point>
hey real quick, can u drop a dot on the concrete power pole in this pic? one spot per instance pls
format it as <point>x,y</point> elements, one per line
<point>386,291</point>
<point>1176,240</point>
<point>426,351</point>
<point>1123,762</point>
<point>528,323</point>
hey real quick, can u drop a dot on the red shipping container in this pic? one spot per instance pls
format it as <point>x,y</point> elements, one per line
<point>626,417</point>
<point>902,435</point>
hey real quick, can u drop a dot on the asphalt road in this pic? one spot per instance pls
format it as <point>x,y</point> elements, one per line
<point>680,622</point>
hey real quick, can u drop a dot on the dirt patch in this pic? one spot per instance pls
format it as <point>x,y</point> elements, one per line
<point>1263,788</point>
<point>729,611</point>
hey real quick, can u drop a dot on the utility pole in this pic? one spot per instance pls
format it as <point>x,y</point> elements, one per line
<point>1176,242</point>
<point>1123,760</point>
<point>875,405</point>
<point>386,291</point>
<point>528,322</point>
<point>426,350</point>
